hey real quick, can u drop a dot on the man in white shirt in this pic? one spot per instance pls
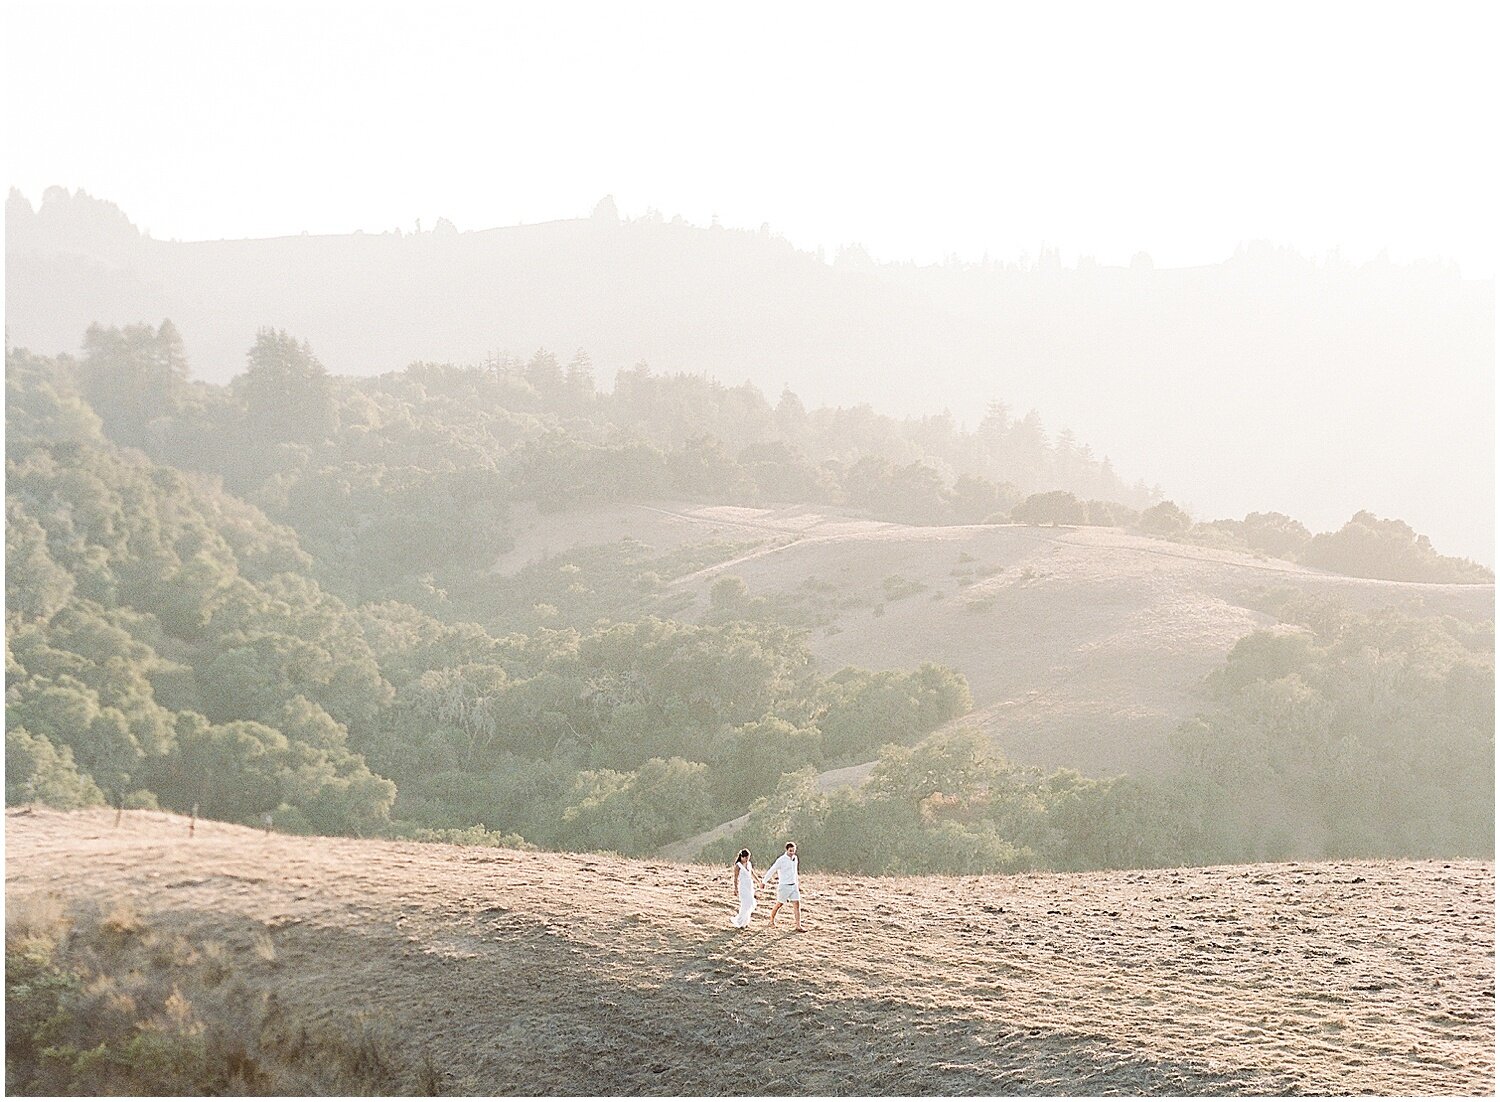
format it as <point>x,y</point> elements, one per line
<point>785,871</point>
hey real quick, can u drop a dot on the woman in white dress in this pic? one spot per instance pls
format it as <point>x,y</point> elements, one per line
<point>744,886</point>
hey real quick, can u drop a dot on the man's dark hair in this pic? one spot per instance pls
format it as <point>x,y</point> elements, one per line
<point>789,845</point>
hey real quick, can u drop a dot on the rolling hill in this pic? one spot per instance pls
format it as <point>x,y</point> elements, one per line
<point>477,970</point>
<point>1083,647</point>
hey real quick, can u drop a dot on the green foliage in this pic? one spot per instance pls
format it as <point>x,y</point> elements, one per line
<point>624,580</point>
<point>1275,534</point>
<point>241,770</point>
<point>1164,519</point>
<point>1111,514</point>
<point>36,587</point>
<point>37,988</point>
<point>69,1030</point>
<point>860,710</point>
<point>44,405</point>
<point>975,497</point>
<point>96,536</point>
<point>288,395</point>
<point>633,813</point>
<point>470,836</point>
<point>1062,507</point>
<point>136,380</point>
<point>947,806</point>
<point>728,594</point>
<point>561,736</point>
<point>897,588</point>
<point>36,771</point>
<point>1052,507</point>
<point>749,761</point>
<point>912,493</point>
<point>279,599</point>
<point>1373,740</point>
<point>1366,547</point>
<point>1369,547</point>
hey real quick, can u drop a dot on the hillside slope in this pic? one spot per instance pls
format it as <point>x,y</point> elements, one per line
<point>1267,381</point>
<point>520,973</point>
<point>1083,647</point>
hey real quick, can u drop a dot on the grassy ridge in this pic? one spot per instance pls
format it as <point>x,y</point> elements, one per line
<point>507,972</point>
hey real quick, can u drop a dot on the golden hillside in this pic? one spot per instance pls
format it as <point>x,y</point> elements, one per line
<point>1083,647</point>
<point>504,972</point>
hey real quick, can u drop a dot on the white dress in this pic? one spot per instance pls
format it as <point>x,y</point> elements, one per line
<point>746,887</point>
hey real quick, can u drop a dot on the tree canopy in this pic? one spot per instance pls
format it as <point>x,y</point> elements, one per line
<point>276,596</point>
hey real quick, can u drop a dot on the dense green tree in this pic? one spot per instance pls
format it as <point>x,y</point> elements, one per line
<point>36,771</point>
<point>287,394</point>
<point>43,405</point>
<point>703,468</point>
<point>1111,514</point>
<point>241,770</point>
<point>749,761</point>
<point>135,378</point>
<point>1369,547</point>
<point>544,373</point>
<point>636,812</point>
<point>1275,534</point>
<point>728,597</point>
<point>913,493</point>
<point>863,710</point>
<point>68,713</point>
<point>1164,519</point>
<point>1052,507</point>
<point>975,498</point>
<point>36,587</point>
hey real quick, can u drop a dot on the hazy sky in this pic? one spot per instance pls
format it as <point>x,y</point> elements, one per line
<point>918,130</point>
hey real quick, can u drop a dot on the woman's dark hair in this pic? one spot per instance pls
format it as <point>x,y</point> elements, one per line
<point>743,854</point>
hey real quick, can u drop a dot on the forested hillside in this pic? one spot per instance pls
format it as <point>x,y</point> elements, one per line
<point>277,596</point>
<point>1314,386</point>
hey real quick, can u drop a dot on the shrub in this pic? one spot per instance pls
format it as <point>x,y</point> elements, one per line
<point>1164,519</point>
<point>1052,507</point>
<point>1369,547</point>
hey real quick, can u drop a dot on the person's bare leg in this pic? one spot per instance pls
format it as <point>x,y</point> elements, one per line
<point>797,914</point>
<point>773,913</point>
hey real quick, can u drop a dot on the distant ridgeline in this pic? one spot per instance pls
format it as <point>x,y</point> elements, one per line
<point>1376,375</point>
<point>275,596</point>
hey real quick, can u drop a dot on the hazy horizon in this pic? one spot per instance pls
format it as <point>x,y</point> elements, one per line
<point>1074,137</point>
<point>1040,253</point>
<point>1090,129</point>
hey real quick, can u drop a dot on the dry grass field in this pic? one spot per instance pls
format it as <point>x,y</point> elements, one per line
<point>504,972</point>
<point>1083,647</point>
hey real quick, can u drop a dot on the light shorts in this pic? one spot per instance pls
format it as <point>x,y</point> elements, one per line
<point>787,893</point>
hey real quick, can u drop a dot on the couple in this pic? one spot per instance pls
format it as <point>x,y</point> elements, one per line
<point>785,871</point>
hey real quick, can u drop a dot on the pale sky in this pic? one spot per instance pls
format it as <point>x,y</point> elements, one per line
<point>920,131</point>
